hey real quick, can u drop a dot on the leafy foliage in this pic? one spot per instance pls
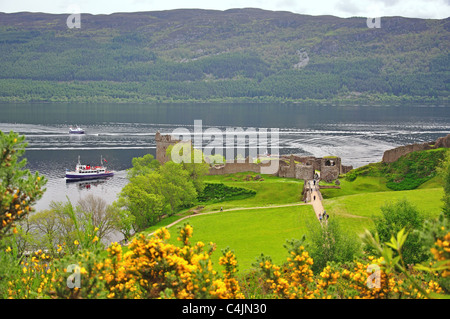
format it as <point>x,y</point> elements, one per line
<point>408,172</point>
<point>398,216</point>
<point>444,171</point>
<point>329,243</point>
<point>219,192</point>
<point>19,189</point>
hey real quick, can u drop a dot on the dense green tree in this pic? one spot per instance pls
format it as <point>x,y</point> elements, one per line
<point>143,199</point>
<point>154,191</point>
<point>178,186</point>
<point>143,165</point>
<point>194,163</point>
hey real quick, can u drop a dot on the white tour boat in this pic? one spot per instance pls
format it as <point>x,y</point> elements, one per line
<point>83,172</point>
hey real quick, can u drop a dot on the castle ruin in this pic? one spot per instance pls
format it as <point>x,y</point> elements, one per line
<point>291,166</point>
<point>393,155</point>
<point>163,142</point>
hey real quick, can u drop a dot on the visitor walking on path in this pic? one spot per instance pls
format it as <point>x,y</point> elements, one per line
<point>317,204</point>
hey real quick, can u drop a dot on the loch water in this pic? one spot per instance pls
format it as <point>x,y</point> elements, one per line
<point>358,133</point>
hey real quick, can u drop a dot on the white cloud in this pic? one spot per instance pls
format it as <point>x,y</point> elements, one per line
<point>342,8</point>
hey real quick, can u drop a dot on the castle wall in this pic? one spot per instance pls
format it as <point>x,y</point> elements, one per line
<point>346,168</point>
<point>305,172</point>
<point>231,168</point>
<point>329,173</point>
<point>390,156</point>
<point>300,167</point>
<point>237,167</point>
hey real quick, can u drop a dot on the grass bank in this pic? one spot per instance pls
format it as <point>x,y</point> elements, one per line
<point>250,232</point>
<point>253,227</point>
<point>357,210</point>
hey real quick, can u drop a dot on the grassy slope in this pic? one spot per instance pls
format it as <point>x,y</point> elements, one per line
<point>358,201</point>
<point>366,184</point>
<point>251,232</point>
<point>356,211</point>
<point>272,191</point>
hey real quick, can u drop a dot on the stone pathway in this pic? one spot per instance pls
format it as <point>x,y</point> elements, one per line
<point>316,198</point>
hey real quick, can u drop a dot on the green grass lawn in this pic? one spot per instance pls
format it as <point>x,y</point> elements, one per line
<point>357,210</point>
<point>362,184</point>
<point>271,191</point>
<point>250,232</point>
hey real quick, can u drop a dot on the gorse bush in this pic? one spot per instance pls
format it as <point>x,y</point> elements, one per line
<point>295,278</point>
<point>151,267</point>
<point>19,189</point>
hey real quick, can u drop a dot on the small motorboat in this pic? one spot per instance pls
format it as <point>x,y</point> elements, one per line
<point>84,172</point>
<point>76,130</point>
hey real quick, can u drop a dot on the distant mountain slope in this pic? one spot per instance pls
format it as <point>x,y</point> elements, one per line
<point>239,54</point>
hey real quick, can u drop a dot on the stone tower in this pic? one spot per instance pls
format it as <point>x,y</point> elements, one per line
<point>162,144</point>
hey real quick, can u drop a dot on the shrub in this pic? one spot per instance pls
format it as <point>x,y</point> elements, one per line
<point>151,267</point>
<point>329,243</point>
<point>19,189</point>
<point>408,172</point>
<point>396,216</point>
<point>219,192</point>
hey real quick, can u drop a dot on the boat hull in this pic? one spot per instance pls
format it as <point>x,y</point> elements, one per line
<point>76,176</point>
<point>76,132</point>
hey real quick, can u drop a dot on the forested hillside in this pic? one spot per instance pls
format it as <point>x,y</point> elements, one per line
<point>233,55</point>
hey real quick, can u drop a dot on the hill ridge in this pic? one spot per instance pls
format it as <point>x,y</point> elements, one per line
<point>246,54</point>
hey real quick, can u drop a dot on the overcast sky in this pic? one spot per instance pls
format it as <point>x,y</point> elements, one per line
<point>436,9</point>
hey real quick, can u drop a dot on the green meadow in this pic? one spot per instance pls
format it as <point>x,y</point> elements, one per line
<point>250,232</point>
<point>270,190</point>
<point>356,211</point>
<point>258,224</point>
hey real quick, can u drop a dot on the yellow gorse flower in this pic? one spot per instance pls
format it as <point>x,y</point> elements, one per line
<point>152,267</point>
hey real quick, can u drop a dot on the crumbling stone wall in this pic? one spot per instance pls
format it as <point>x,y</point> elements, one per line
<point>330,168</point>
<point>237,167</point>
<point>346,168</point>
<point>329,173</point>
<point>305,172</point>
<point>162,144</point>
<point>293,166</point>
<point>393,155</point>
